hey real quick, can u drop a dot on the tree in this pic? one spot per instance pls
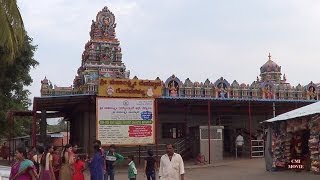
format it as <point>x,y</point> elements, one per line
<point>14,77</point>
<point>12,31</point>
<point>60,127</point>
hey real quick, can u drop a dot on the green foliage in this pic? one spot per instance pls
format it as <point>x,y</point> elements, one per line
<point>11,30</point>
<point>14,77</point>
<point>60,127</point>
<point>22,126</point>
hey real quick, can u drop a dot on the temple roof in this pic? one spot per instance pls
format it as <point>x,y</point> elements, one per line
<point>270,66</point>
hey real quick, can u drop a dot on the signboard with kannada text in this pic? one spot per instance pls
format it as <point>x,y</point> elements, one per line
<point>129,88</point>
<point>125,121</point>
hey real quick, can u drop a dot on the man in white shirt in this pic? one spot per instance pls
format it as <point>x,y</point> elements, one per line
<point>171,165</point>
<point>239,144</point>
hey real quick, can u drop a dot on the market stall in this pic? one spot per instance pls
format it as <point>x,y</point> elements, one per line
<point>294,140</point>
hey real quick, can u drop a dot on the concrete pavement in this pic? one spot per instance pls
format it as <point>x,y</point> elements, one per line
<point>250,169</point>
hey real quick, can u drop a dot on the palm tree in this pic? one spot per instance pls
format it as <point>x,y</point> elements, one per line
<point>12,31</point>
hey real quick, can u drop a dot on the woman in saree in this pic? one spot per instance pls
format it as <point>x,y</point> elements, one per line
<point>96,164</point>
<point>66,171</point>
<point>46,172</point>
<point>22,169</point>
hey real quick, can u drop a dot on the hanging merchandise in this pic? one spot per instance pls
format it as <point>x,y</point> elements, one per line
<point>287,151</point>
<point>281,145</point>
<point>297,125</point>
<point>314,144</point>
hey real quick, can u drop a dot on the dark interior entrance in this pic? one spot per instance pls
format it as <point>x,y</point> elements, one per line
<point>228,138</point>
<point>194,140</point>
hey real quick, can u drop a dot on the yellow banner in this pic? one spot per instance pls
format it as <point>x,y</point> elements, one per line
<point>129,88</point>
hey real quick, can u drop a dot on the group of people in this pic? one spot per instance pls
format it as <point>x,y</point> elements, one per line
<point>50,163</point>
<point>47,163</point>
<point>171,164</point>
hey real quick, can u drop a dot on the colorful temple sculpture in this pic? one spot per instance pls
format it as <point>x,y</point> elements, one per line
<point>102,57</point>
<point>270,85</point>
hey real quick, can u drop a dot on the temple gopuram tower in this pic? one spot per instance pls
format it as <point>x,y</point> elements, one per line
<point>102,56</point>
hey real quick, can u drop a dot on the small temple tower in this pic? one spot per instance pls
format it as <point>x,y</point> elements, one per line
<point>46,87</point>
<point>270,71</point>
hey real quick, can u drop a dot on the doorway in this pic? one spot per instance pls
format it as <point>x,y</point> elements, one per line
<point>194,141</point>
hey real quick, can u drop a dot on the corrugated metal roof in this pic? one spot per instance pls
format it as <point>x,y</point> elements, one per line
<point>61,103</point>
<point>300,112</point>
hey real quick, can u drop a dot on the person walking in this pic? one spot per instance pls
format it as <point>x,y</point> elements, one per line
<point>22,169</point>
<point>32,152</point>
<point>46,167</point>
<point>171,165</point>
<point>112,158</point>
<point>36,159</point>
<point>67,158</point>
<point>56,162</point>
<point>96,164</point>
<point>79,167</point>
<point>98,142</point>
<point>132,170</point>
<point>102,153</point>
<point>150,166</point>
<point>239,144</point>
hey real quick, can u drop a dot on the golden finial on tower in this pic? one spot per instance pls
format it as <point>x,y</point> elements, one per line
<point>269,56</point>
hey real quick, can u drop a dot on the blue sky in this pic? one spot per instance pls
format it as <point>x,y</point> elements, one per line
<point>195,39</point>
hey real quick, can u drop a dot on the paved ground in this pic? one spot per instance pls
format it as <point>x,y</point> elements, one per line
<point>227,170</point>
<point>237,170</point>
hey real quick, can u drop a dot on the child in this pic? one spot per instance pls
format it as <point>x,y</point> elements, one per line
<point>79,167</point>
<point>132,170</point>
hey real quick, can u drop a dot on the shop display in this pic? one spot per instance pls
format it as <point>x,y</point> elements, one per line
<point>281,146</point>
<point>291,140</point>
<point>314,144</point>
